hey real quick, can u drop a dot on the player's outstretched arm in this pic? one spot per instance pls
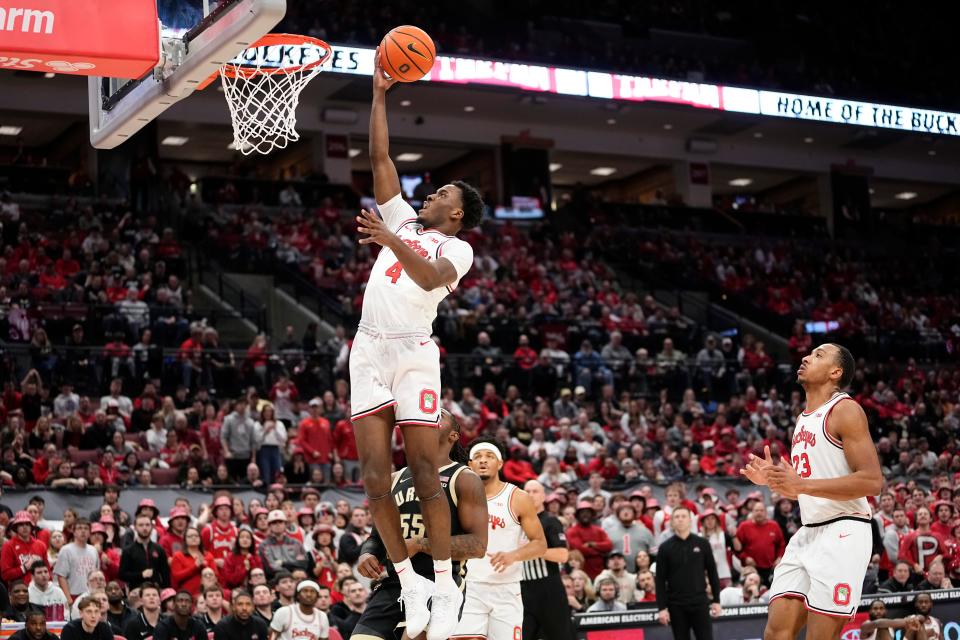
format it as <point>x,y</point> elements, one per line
<point>373,554</point>
<point>472,512</point>
<point>850,426</point>
<point>386,183</point>
<point>526,512</point>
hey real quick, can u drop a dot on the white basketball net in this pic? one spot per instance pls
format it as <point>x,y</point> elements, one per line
<point>263,106</point>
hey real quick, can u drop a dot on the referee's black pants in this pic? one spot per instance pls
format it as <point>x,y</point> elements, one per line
<point>546,613</point>
<point>696,618</point>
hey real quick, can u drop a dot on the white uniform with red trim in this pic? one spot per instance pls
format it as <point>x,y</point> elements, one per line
<point>393,361</point>
<point>825,561</point>
<point>493,607</point>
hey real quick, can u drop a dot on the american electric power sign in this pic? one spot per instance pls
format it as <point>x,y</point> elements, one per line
<point>616,86</point>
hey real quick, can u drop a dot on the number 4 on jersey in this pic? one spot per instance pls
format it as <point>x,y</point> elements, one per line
<point>394,272</point>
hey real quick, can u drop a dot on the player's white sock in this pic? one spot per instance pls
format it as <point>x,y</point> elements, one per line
<point>443,574</point>
<point>408,577</point>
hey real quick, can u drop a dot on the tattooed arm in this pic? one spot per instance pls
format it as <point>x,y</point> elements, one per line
<point>472,509</point>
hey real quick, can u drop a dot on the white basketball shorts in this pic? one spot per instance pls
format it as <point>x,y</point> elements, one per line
<point>402,372</point>
<point>491,611</point>
<point>824,566</point>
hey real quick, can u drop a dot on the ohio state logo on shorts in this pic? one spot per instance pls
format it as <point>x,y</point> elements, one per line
<point>841,594</point>
<point>428,401</point>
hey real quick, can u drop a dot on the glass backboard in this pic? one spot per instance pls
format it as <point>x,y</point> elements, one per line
<point>198,36</point>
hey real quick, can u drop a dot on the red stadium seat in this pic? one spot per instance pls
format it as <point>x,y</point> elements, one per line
<point>79,457</point>
<point>136,438</point>
<point>164,476</point>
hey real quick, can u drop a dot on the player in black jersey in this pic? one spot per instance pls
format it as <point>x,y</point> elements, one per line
<point>383,618</point>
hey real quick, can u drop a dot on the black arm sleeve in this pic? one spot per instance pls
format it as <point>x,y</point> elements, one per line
<point>553,531</point>
<point>163,568</point>
<point>374,546</point>
<point>128,568</point>
<point>663,567</point>
<point>712,575</point>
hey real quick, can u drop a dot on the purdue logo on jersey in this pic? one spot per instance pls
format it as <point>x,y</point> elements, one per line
<point>428,401</point>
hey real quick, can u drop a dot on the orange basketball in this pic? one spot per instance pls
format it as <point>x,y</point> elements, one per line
<point>407,53</point>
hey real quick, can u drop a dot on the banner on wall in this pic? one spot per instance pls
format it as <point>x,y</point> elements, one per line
<point>618,86</point>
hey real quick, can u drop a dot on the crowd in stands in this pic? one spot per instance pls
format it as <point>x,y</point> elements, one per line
<point>599,393</point>
<point>135,565</point>
<point>888,297</point>
<point>752,44</point>
<point>599,427</point>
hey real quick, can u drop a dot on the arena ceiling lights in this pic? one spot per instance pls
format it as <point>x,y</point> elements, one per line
<point>615,86</point>
<point>603,171</point>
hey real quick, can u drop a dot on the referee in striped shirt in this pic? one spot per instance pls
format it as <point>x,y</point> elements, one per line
<point>546,614</point>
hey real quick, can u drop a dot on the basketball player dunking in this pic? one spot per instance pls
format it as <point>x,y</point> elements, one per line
<point>833,466</point>
<point>395,366</point>
<point>494,606</point>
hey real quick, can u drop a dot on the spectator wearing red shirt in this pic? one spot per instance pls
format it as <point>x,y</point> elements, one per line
<point>525,357</point>
<point>50,279</point>
<point>943,526</point>
<point>315,439</point>
<point>210,435</point>
<point>190,355</point>
<point>66,265</point>
<point>346,446</point>
<point>242,560</point>
<point>800,342</point>
<point>20,552</point>
<point>589,539</point>
<point>187,564</point>
<point>762,541</point>
<point>109,472</point>
<point>172,538</point>
<point>517,469</point>
<point>921,547</point>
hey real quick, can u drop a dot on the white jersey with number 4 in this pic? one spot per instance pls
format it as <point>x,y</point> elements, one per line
<point>816,454</point>
<point>505,534</point>
<point>292,624</point>
<point>392,301</point>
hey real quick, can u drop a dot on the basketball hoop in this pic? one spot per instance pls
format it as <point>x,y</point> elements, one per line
<point>263,86</point>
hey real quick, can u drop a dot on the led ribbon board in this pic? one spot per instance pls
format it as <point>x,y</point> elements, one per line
<point>616,86</point>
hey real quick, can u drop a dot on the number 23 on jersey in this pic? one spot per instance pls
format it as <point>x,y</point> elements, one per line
<point>801,464</point>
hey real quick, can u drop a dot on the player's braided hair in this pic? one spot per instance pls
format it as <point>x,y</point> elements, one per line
<point>457,452</point>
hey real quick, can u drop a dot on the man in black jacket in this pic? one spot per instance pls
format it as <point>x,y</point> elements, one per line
<point>241,624</point>
<point>20,604</point>
<point>345,615</point>
<point>143,559</point>
<point>682,562</point>
<point>34,629</point>
<point>145,621</point>
<point>180,625</point>
<point>119,614</point>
